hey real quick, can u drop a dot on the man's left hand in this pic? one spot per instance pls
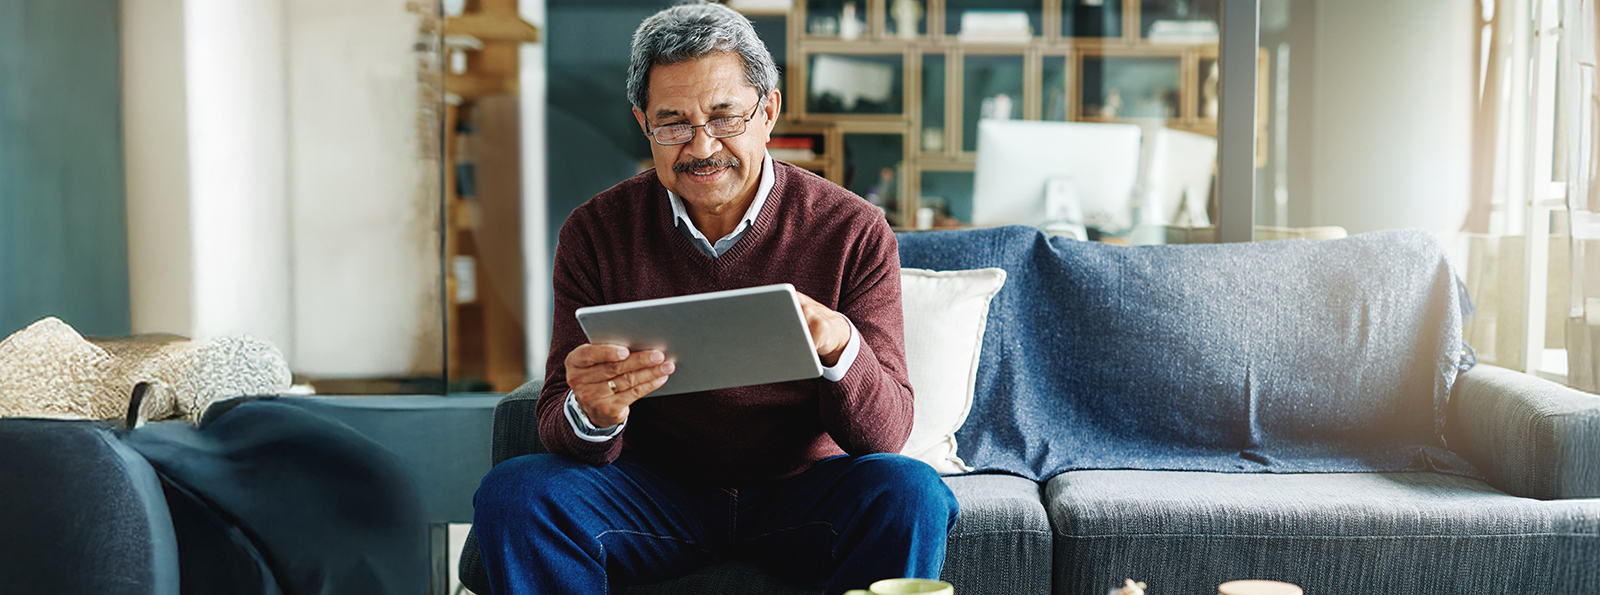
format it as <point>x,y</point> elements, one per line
<point>830,330</point>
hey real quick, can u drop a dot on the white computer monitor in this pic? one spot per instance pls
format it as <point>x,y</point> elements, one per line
<point>1177,177</point>
<point>1097,164</point>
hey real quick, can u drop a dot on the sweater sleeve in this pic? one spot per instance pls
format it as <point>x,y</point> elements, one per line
<point>574,284</point>
<point>870,409</point>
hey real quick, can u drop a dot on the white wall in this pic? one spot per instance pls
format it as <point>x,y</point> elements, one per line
<point>282,182</point>
<point>1392,114</point>
<point>156,156</point>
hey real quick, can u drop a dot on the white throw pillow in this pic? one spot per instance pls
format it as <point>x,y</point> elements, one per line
<point>945,312</point>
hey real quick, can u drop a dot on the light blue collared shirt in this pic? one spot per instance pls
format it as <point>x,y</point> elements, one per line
<point>580,421</point>
<point>681,215</point>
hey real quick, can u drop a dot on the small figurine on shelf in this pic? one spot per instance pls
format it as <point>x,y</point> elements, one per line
<point>1129,587</point>
<point>906,14</point>
<point>995,108</point>
<point>882,193</point>
<point>1208,90</point>
<point>1113,103</point>
<point>850,25</point>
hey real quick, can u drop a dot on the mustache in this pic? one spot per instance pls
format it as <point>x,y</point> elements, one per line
<point>714,161</point>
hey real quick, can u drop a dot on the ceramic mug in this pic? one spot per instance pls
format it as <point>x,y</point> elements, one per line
<point>1256,587</point>
<point>909,586</point>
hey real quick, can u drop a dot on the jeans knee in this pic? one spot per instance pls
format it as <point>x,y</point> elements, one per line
<point>517,483</point>
<point>910,485</point>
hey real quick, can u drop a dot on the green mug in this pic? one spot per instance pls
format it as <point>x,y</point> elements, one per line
<point>910,586</point>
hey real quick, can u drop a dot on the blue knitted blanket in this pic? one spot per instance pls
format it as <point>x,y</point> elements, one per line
<point>1287,356</point>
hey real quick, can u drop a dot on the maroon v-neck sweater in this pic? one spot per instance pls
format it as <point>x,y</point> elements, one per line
<point>622,245</point>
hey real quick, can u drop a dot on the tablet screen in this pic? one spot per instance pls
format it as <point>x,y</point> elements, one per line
<point>722,339</point>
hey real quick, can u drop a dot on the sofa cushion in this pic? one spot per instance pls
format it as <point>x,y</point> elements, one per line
<point>1288,356</point>
<point>1187,532</point>
<point>1001,543</point>
<point>945,313</point>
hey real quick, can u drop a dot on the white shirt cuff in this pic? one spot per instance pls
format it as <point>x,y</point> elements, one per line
<point>840,368</point>
<point>583,427</point>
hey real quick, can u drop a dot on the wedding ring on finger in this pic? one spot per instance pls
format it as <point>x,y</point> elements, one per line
<point>612,384</point>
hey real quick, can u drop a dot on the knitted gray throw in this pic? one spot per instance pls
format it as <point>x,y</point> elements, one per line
<point>49,370</point>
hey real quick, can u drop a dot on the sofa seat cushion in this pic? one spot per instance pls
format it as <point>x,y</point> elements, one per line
<point>1001,545</point>
<point>1187,532</point>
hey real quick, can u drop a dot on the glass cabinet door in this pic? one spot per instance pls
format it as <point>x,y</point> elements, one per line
<point>841,19</point>
<point>947,198</point>
<point>855,84</point>
<point>873,163</point>
<point>1179,21</point>
<point>1091,18</point>
<point>994,21</point>
<point>991,89</point>
<point>1053,91</point>
<point>1130,87</point>
<point>933,137</point>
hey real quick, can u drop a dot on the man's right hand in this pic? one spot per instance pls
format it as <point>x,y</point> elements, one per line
<point>606,379</point>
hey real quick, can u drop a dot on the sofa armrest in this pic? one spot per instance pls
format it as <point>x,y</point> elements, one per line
<point>516,424</point>
<point>1531,437</point>
<point>81,512</point>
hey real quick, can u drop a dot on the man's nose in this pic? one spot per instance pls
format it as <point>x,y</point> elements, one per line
<point>703,145</point>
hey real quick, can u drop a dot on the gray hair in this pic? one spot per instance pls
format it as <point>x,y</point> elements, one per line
<point>693,31</point>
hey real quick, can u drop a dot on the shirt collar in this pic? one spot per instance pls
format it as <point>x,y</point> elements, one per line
<point>763,188</point>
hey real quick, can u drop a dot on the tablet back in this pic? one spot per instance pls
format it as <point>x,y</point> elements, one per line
<point>722,339</point>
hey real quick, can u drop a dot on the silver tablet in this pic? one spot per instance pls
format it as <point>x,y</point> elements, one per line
<point>722,339</point>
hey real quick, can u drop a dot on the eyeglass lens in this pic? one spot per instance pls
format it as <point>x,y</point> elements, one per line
<point>718,128</point>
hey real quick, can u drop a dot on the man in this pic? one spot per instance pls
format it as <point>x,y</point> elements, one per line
<point>797,477</point>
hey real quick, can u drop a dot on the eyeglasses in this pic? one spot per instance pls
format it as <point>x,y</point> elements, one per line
<point>677,134</point>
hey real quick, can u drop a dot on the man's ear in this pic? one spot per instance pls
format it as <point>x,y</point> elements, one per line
<point>638,115</point>
<point>773,107</point>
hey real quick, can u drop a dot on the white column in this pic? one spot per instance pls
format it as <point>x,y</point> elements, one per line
<point>237,122</point>
<point>535,187</point>
<point>155,131</point>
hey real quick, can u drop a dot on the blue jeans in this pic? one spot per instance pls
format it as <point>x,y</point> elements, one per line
<point>548,524</point>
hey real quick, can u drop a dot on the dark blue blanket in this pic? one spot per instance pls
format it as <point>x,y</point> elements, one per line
<point>1288,356</point>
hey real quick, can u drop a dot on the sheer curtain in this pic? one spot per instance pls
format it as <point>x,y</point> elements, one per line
<point>1576,133</point>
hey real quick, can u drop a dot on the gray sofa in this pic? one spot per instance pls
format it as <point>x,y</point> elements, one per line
<point>1302,411</point>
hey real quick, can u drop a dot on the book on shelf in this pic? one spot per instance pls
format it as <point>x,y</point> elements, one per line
<point>792,148</point>
<point>773,6</point>
<point>995,26</point>
<point>1168,31</point>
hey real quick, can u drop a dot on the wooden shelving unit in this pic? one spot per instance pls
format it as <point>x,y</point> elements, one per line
<point>485,338</point>
<point>1053,74</point>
